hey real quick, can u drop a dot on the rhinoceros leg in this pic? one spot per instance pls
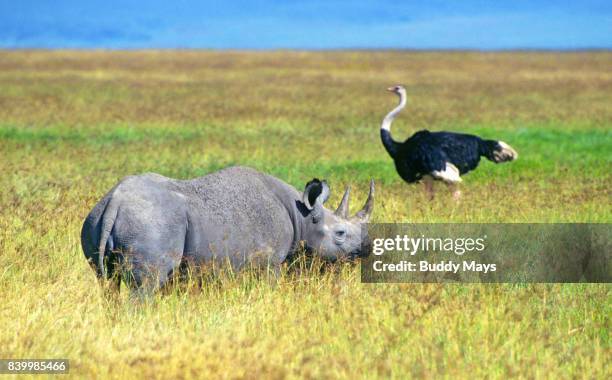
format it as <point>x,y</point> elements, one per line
<point>150,239</point>
<point>148,264</point>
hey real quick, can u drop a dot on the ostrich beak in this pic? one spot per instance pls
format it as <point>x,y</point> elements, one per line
<point>391,89</point>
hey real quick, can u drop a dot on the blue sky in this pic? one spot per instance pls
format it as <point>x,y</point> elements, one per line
<point>323,24</point>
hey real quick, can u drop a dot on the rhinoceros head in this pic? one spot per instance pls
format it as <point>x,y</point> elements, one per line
<point>334,235</point>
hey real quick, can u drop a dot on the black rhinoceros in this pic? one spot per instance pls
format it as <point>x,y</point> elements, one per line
<point>152,224</point>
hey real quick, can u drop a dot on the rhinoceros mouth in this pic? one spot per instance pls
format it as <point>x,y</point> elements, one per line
<point>363,252</point>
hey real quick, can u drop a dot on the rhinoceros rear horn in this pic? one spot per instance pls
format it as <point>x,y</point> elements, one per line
<point>343,207</point>
<point>316,193</point>
<point>366,211</point>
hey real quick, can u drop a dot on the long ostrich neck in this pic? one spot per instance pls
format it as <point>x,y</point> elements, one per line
<point>385,127</point>
<point>386,124</point>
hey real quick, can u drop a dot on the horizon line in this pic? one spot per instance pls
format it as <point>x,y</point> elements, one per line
<point>335,49</point>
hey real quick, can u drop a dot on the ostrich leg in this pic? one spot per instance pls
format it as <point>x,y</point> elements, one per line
<point>454,189</point>
<point>428,183</point>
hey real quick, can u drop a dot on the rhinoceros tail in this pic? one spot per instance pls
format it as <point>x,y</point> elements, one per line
<point>108,220</point>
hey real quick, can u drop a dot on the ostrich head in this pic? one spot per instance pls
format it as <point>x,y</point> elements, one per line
<point>399,90</point>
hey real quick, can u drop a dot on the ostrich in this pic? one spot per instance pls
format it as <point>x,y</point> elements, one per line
<point>442,156</point>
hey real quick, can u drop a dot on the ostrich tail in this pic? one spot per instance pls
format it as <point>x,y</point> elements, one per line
<point>499,151</point>
<point>504,153</point>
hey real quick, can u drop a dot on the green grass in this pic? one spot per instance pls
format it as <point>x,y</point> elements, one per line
<point>73,123</point>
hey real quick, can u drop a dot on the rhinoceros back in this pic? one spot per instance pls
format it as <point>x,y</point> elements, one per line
<point>240,214</point>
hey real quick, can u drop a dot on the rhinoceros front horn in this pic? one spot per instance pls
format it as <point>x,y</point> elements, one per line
<point>366,211</point>
<point>343,207</point>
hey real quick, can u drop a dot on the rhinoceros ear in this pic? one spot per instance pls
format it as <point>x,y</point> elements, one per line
<point>316,193</point>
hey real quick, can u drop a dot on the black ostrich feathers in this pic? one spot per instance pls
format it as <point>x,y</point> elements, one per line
<point>429,153</point>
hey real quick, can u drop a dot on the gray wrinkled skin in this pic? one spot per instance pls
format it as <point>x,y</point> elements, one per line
<point>151,224</point>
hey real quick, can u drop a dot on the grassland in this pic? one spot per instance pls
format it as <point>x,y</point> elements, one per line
<point>73,123</point>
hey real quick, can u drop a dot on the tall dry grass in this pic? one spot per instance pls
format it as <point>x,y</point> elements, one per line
<point>73,123</point>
